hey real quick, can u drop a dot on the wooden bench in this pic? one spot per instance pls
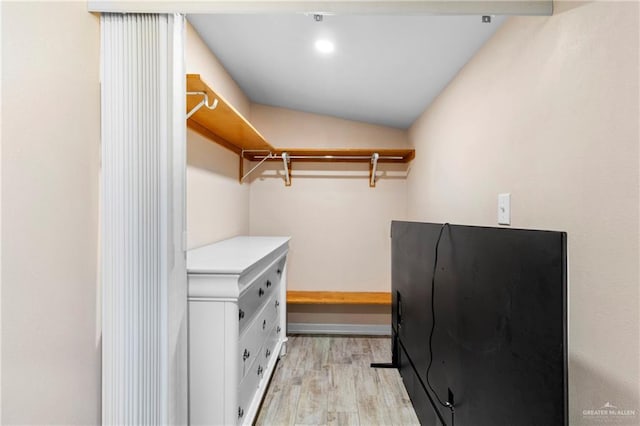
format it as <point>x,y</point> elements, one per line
<point>296,297</point>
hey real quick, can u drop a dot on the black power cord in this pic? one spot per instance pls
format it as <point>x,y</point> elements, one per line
<point>447,404</point>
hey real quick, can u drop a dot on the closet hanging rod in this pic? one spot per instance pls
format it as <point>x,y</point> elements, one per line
<point>330,157</point>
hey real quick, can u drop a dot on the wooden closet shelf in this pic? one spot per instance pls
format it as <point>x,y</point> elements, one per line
<point>223,124</point>
<point>338,298</point>
<point>216,119</point>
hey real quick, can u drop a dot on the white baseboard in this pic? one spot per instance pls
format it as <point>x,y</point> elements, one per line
<point>342,329</point>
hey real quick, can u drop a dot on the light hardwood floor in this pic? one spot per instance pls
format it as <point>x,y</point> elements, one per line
<point>328,381</point>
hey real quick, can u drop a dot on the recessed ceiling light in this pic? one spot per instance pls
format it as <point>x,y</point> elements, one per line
<point>324,46</point>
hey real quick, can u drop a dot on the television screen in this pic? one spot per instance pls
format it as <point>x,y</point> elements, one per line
<point>497,350</point>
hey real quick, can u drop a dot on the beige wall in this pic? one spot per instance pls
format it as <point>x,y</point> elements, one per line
<point>50,164</point>
<point>217,205</point>
<point>548,110</point>
<point>286,128</point>
<point>339,226</point>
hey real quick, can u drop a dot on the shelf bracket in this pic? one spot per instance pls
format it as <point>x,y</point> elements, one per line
<point>203,102</point>
<point>287,168</point>
<point>373,166</point>
<point>266,157</point>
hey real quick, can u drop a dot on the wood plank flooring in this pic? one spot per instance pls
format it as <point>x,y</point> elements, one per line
<point>328,381</point>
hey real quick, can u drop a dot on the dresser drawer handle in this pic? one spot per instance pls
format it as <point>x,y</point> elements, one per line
<point>277,303</point>
<point>260,292</point>
<point>259,370</point>
<point>278,330</point>
<point>240,314</point>
<point>264,324</point>
<point>246,355</point>
<point>268,283</point>
<point>240,412</point>
<point>266,355</point>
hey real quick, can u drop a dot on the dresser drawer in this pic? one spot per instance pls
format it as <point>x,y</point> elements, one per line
<point>251,300</point>
<point>248,387</point>
<point>272,339</point>
<point>280,267</point>
<point>275,333</point>
<point>255,336</point>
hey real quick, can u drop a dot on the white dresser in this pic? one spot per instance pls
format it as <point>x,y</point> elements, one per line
<point>237,326</point>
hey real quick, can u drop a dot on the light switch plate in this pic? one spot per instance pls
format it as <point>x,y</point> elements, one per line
<point>504,209</point>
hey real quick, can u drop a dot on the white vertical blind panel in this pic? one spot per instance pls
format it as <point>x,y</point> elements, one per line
<point>135,185</point>
<point>177,290</point>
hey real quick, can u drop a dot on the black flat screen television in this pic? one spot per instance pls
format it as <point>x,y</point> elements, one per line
<point>498,346</point>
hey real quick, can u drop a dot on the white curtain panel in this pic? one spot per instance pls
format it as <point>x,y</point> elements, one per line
<point>142,259</point>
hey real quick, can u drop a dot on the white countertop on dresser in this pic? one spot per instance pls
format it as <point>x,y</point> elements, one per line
<point>232,256</point>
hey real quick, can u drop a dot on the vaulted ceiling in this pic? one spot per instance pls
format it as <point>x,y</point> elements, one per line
<point>383,69</point>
